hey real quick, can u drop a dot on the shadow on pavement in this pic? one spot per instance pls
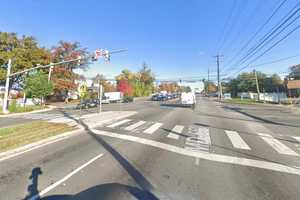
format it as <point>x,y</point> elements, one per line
<point>146,188</point>
<point>33,187</point>
<point>110,191</point>
<point>239,110</point>
<point>248,133</point>
<point>170,131</point>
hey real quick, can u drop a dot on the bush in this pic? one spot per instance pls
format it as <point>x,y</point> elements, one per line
<point>13,106</point>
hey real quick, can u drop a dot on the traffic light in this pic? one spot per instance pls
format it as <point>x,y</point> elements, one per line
<point>79,60</point>
<point>106,55</point>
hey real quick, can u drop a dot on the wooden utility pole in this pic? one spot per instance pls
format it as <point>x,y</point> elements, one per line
<point>218,74</point>
<point>257,86</point>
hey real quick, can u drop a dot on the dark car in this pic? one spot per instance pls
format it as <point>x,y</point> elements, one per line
<point>90,103</point>
<point>127,99</point>
<point>162,97</point>
<point>155,97</point>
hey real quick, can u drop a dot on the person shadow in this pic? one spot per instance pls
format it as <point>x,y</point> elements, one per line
<point>33,187</point>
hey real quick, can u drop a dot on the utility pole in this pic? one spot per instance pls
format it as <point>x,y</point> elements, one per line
<point>218,74</point>
<point>208,75</point>
<point>257,86</point>
<point>50,71</point>
<point>6,94</point>
<point>100,96</point>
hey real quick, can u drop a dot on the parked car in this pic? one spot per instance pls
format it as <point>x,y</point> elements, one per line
<point>155,97</point>
<point>90,103</point>
<point>162,97</point>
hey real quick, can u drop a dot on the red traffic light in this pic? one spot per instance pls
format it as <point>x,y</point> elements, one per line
<point>98,53</point>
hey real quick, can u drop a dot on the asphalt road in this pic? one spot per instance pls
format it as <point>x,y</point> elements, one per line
<point>216,151</point>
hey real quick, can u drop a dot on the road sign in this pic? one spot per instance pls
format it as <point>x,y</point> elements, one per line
<point>82,89</point>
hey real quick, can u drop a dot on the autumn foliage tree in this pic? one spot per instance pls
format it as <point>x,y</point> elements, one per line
<point>63,76</point>
<point>125,87</point>
<point>107,86</point>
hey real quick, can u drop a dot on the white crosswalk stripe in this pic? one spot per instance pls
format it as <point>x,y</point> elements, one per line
<point>296,138</point>
<point>134,126</point>
<point>119,123</point>
<point>153,128</point>
<point>277,145</point>
<point>199,139</point>
<point>177,129</point>
<point>236,140</point>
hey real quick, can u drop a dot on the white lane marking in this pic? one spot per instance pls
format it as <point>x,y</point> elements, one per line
<point>277,145</point>
<point>153,128</point>
<point>134,126</point>
<point>204,155</point>
<point>197,161</point>
<point>236,140</point>
<point>119,123</point>
<point>177,129</point>
<point>57,183</point>
<point>296,138</point>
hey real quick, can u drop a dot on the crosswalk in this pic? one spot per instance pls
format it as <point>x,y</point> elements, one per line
<point>154,127</point>
<point>237,140</point>
<point>175,132</point>
<point>194,137</point>
<point>199,137</point>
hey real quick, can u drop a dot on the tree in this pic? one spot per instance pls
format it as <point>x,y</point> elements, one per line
<point>64,76</point>
<point>169,87</point>
<point>107,86</point>
<point>37,85</point>
<point>125,87</point>
<point>295,72</point>
<point>24,52</point>
<point>141,82</point>
<point>144,82</point>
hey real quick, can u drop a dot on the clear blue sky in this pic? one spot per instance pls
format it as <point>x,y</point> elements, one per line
<point>176,38</point>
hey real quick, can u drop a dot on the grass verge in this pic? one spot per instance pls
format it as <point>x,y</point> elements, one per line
<point>240,101</point>
<point>20,109</point>
<point>22,134</point>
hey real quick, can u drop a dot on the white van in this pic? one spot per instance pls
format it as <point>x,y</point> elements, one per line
<point>113,96</point>
<point>188,98</point>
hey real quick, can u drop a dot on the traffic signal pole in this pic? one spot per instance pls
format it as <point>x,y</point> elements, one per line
<point>5,100</point>
<point>105,53</point>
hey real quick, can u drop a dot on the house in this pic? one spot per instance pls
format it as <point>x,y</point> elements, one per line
<point>293,87</point>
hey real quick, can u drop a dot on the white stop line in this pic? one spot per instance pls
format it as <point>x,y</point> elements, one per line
<point>204,155</point>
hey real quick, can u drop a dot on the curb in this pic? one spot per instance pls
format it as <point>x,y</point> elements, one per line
<point>24,113</point>
<point>29,147</point>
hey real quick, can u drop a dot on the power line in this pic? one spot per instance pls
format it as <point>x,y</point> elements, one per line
<point>266,37</point>
<point>267,50</point>
<point>224,32</point>
<point>258,31</point>
<point>237,35</point>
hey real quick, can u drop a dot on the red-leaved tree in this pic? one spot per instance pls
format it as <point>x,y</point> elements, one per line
<point>125,87</point>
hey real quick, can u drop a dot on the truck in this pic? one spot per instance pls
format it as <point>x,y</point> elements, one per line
<point>113,97</point>
<point>188,99</point>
